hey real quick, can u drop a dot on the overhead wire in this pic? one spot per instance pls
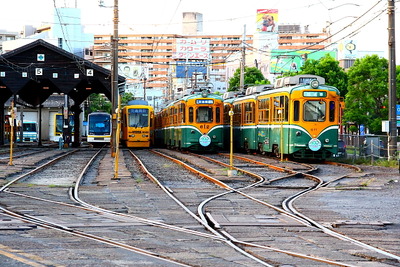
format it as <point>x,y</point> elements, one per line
<point>79,63</point>
<point>330,36</point>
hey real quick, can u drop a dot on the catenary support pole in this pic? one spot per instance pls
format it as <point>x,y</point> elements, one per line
<point>392,146</point>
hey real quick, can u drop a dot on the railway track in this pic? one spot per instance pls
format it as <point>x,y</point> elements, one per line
<point>287,203</point>
<point>172,217</point>
<point>54,223</point>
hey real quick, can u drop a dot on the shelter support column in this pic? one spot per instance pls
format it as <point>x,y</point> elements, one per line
<point>2,127</point>
<point>77,125</point>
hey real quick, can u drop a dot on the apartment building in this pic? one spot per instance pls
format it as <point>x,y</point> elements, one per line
<point>156,61</point>
<point>6,36</point>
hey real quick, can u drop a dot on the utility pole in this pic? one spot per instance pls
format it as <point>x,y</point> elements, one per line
<point>243,63</point>
<point>114,84</point>
<point>392,145</point>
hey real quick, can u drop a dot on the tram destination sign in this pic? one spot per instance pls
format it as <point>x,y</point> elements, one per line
<point>204,101</point>
<point>314,94</point>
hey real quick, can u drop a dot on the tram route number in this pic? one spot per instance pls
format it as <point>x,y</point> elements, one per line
<point>204,126</point>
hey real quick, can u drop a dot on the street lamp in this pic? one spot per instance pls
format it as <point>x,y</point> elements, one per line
<point>231,171</point>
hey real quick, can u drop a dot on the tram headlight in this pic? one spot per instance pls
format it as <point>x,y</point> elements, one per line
<point>327,140</point>
<point>192,131</point>
<point>298,133</point>
<point>314,84</point>
<point>214,137</point>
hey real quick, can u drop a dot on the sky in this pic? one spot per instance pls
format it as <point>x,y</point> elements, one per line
<point>364,21</point>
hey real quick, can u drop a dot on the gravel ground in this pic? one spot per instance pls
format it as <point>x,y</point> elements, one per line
<point>378,189</point>
<point>372,195</point>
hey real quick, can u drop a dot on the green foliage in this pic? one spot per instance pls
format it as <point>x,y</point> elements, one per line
<point>367,93</point>
<point>353,129</point>
<point>329,68</point>
<point>252,76</point>
<point>98,102</point>
<point>125,98</point>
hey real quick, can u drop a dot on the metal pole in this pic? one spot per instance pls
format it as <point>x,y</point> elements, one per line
<point>231,140</point>
<point>392,146</point>
<point>116,166</point>
<point>144,88</point>
<point>12,118</point>
<point>243,63</point>
<point>114,85</point>
<point>231,171</point>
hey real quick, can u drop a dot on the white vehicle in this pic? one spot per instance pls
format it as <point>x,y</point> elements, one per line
<point>29,132</point>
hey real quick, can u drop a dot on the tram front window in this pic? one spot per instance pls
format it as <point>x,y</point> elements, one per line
<point>99,125</point>
<point>314,110</point>
<point>204,114</point>
<point>138,117</point>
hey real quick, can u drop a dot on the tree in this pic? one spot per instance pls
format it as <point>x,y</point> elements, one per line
<point>98,102</point>
<point>367,100</point>
<point>329,68</point>
<point>252,75</point>
<point>125,98</point>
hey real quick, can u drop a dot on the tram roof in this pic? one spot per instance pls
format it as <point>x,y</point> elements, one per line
<point>287,90</point>
<point>194,96</point>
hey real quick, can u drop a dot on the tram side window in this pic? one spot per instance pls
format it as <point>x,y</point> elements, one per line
<point>263,110</point>
<point>183,113</point>
<point>191,114</point>
<point>175,115</point>
<point>249,113</point>
<point>314,110</point>
<point>217,115</point>
<point>332,111</point>
<point>169,117</point>
<point>296,110</point>
<point>280,108</point>
<point>204,114</point>
<point>227,118</point>
<point>237,111</point>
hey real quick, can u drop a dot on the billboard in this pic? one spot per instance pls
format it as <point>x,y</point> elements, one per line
<point>267,20</point>
<point>348,49</point>
<point>291,60</point>
<point>130,71</point>
<point>192,48</point>
<point>187,69</point>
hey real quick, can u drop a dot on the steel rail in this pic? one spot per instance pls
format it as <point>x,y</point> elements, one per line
<point>288,206</point>
<point>74,195</point>
<point>231,190</point>
<point>35,170</point>
<point>59,227</point>
<point>203,222</point>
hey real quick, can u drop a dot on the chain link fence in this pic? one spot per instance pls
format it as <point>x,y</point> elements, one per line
<point>369,147</point>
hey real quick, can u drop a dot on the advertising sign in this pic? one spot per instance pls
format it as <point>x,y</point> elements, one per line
<point>186,48</point>
<point>291,60</point>
<point>266,20</point>
<point>130,71</point>
<point>187,69</point>
<point>348,49</point>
